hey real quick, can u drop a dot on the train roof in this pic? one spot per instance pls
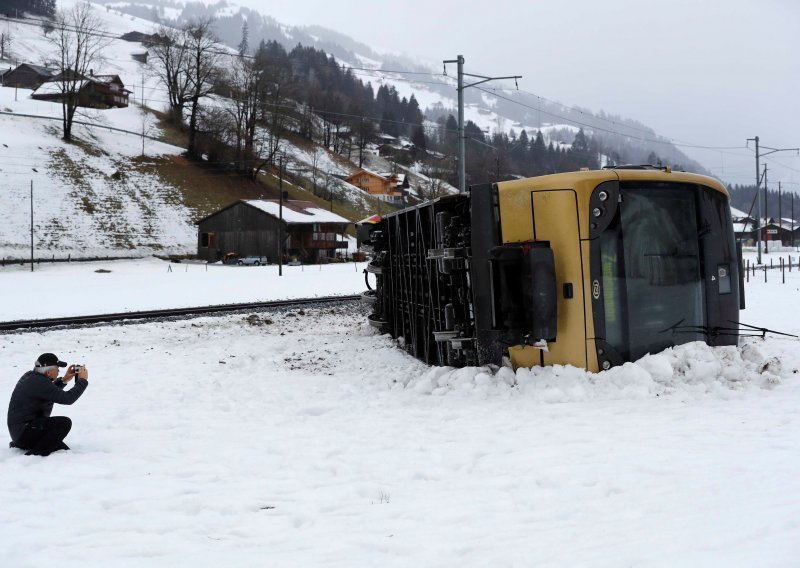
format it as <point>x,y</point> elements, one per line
<point>623,173</point>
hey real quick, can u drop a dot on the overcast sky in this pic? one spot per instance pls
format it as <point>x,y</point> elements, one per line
<point>703,72</point>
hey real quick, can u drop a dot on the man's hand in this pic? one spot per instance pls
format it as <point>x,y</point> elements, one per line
<point>69,375</point>
<point>82,373</point>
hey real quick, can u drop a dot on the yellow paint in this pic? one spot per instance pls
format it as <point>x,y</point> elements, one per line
<point>555,208</point>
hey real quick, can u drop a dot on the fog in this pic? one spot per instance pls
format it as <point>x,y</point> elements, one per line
<point>709,74</point>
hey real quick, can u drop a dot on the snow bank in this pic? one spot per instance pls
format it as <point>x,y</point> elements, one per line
<point>687,370</point>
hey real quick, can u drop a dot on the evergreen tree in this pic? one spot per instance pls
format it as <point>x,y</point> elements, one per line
<point>243,44</point>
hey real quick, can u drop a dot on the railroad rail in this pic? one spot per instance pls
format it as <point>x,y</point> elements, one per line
<point>168,313</point>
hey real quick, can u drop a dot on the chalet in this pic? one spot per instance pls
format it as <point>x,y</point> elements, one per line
<point>143,38</point>
<point>778,231</point>
<point>253,227</point>
<point>389,187</point>
<point>140,56</point>
<point>94,91</point>
<point>27,76</point>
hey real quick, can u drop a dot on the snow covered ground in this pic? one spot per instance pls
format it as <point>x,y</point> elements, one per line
<point>149,283</point>
<point>305,439</point>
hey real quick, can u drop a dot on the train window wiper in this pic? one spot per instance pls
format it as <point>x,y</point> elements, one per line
<point>727,331</point>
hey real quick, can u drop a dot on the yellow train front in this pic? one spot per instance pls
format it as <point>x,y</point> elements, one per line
<point>590,268</point>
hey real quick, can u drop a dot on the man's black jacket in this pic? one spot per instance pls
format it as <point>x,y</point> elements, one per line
<point>33,397</point>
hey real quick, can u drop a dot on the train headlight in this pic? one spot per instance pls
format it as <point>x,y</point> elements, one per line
<point>602,195</point>
<point>597,211</point>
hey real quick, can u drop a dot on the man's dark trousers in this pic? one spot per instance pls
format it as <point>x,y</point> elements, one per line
<point>44,436</point>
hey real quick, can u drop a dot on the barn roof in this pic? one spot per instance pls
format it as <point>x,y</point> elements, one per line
<point>297,212</point>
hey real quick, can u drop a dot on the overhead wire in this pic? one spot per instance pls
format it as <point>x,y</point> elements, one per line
<point>383,75</point>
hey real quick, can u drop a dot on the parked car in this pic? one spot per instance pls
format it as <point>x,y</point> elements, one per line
<point>252,261</point>
<point>231,258</point>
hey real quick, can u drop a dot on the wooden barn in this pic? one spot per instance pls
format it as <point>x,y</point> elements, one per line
<point>252,228</point>
<point>27,76</point>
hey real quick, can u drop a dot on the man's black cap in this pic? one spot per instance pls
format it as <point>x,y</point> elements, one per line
<point>48,360</point>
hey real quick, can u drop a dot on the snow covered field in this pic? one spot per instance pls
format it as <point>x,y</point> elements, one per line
<point>150,283</point>
<point>305,439</point>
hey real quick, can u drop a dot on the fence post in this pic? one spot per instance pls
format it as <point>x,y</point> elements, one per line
<point>765,273</point>
<point>747,270</point>
<point>783,272</point>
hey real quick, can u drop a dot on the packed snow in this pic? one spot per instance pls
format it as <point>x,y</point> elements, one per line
<point>303,438</point>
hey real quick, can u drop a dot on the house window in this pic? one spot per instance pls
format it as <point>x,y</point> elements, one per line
<point>324,236</point>
<point>208,240</point>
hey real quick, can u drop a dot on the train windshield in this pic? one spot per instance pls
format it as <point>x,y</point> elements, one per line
<point>653,294</point>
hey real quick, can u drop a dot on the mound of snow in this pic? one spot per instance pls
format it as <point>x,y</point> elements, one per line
<point>691,369</point>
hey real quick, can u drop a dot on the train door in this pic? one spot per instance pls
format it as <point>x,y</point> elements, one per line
<point>555,221</point>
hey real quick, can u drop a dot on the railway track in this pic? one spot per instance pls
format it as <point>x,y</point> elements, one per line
<point>149,315</point>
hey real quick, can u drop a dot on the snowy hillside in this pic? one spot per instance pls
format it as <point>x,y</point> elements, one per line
<point>96,197</point>
<point>105,194</point>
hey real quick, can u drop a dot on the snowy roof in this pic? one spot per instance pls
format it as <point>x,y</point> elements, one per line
<point>40,69</point>
<point>54,88</point>
<point>401,178</point>
<point>297,212</point>
<point>738,213</point>
<point>107,78</point>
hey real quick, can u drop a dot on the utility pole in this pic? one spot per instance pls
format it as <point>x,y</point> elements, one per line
<point>766,210</point>
<point>758,181</point>
<point>462,171</point>
<point>31,225</point>
<point>792,219</point>
<point>280,217</point>
<point>780,214</point>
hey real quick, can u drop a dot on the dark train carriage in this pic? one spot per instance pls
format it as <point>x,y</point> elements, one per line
<point>254,228</point>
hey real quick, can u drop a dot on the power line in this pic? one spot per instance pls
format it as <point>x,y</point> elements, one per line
<point>365,70</point>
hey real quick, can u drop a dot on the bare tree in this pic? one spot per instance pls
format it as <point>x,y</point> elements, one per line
<point>5,43</point>
<point>169,63</point>
<point>146,123</point>
<point>435,171</point>
<point>244,79</point>
<point>274,107</point>
<point>316,154</point>
<point>203,60</point>
<point>79,39</point>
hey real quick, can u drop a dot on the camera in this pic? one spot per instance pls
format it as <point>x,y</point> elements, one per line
<point>77,368</point>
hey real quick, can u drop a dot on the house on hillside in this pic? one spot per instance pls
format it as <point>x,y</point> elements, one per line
<point>27,76</point>
<point>253,228</point>
<point>94,91</point>
<point>140,56</point>
<point>143,38</point>
<point>389,187</point>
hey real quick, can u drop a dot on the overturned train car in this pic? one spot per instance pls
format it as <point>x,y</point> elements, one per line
<point>590,268</point>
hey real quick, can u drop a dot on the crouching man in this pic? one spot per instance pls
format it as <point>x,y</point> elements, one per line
<point>29,421</point>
